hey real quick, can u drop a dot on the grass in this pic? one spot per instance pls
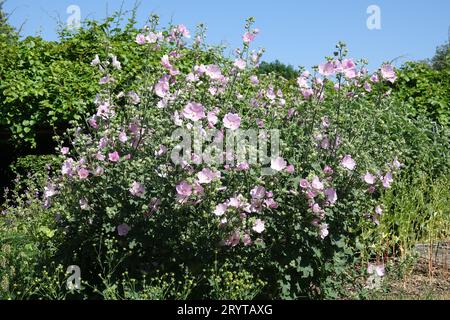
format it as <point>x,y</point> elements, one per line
<point>417,284</point>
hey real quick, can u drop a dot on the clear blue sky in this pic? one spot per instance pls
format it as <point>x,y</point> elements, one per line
<point>298,32</point>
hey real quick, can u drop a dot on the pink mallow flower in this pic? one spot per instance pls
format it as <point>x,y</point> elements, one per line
<point>240,64</point>
<point>207,175</point>
<point>248,37</point>
<point>388,73</point>
<point>137,189</point>
<point>369,178</point>
<point>65,150</point>
<point>278,164</point>
<point>184,189</point>
<point>83,173</point>
<point>232,121</point>
<point>387,180</point>
<point>258,192</point>
<point>323,230</point>
<point>304,184</point>
<point>348,163</point>
<point>140,38</point>
<point>246,239</point>
<point>220,209</point>
<point>194,111</point>
<point>258,226</point>
<point>162,87</point>
<point>331,195</point>
<point>114,156</point>
<point>316,184</point>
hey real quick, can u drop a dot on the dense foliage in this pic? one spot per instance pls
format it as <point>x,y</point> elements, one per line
<point>48,84</point>
<point>142,220</point>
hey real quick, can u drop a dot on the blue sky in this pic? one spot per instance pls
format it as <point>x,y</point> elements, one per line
<point>297,32</point>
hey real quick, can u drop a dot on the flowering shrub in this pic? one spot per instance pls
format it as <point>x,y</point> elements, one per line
<point>291,217</point>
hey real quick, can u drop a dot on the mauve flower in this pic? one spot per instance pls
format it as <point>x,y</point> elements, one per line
<point>220,209</point>
<point>316,208</point>
<point>232,121</point>
<point>323,230</point>
<point>123,229</point>
<point>367,86</point>
<point>64,150</point>
<point>307,93</point>
<point>99,171</point>
<point>246,239</point>
<point>212,117</point>
<point>374,78</point>
<point>326,69</point>
<point>290,169</point>
<point>213,71</point>
<point>258,226</point>
<point>114,156</point>
<point>140,38</point>
<point>194,111</point>
<point>378,210</point>
<point>348,163</point>
<point>102,143</point>
<point>134,98</point>
<point>254,80</point>
<point>181,28</point>
<point>184,189</point>
<point>243,166</point>
<point>325,143</point>
<point>278,164</point>
<point>248,37</point>
<point>396,164</point>
<point>369,178</point>
<point>234,202</point>
<point>388,73</point>
<point>304,184</point>
<point>93,123</point>
<point>165,62</point>
<point>123,137</point>
<point>50,191</point>
<point>162,87</point>
<point>83,173</point>
<point>106,79</point>
<point>270,93</point>
<point>258,192</point>
<point>66,168</point>
<point>137,189</point>
<point>347,67</point>
<point>233,239</point>
<point>96,61</point>
<point>325,122</point>
<point>240,64</point>
<point>207,175</point>
<point>99,156</point>
<point>161,151</point>
<point>387,180</point>
<point>331,195</point>
<point>302,82</point>
<point>270,203</point>
<point>316,184</point>
<point>103,110</point>
<point>328,170</point>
